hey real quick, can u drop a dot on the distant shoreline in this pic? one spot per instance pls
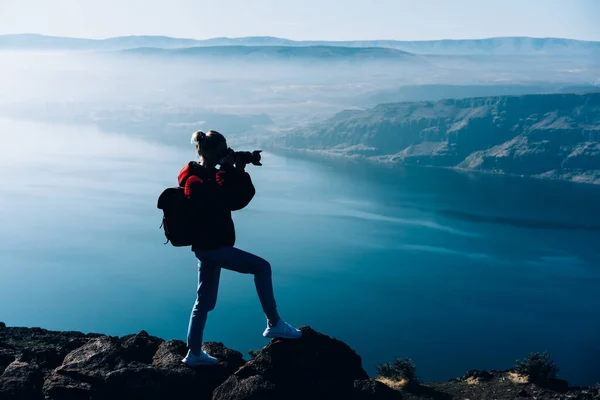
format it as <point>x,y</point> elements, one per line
<point>316,155</point>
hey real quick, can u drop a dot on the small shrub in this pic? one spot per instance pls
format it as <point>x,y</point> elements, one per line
<point>538,367</point>
<point>398,370</point>
<point>253,353</point>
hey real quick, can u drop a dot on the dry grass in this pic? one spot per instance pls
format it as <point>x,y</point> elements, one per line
<point>517,378</point>
<point>472,381</point>
<point>394,384</point>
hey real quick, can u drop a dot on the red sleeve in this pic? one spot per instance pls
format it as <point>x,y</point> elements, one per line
<point>191,184</point>
<point>237,188</point>
<point>184,174</point>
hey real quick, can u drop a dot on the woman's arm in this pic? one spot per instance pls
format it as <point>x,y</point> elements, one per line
<point>193,186</point>
<point>236,187</point>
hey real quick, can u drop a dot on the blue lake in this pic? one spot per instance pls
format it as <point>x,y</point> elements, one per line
<point>455,270</point>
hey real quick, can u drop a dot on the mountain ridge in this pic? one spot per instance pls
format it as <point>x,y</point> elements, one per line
<point>492,45</point>
<point>555,136</point>
<point>318,52</point>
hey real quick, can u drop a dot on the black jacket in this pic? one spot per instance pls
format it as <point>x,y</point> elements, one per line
<point>216,193</point>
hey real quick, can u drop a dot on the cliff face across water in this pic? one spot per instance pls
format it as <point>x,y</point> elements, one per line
<point>553,136</point>
<point>41,364</point>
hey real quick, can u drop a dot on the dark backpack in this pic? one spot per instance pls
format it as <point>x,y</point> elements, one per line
<point>178,222</point>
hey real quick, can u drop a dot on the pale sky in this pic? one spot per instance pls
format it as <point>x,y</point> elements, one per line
<point>305,19</point>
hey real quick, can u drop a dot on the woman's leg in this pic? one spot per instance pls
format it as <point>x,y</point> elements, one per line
<point>209,274</point>
<point>234,259</point>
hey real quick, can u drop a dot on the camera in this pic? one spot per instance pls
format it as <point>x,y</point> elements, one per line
<point>246,157</point>
<point>249,157</point>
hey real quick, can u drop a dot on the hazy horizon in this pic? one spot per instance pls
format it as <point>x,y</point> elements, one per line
<point>299,40</point>
<point>309,20</point>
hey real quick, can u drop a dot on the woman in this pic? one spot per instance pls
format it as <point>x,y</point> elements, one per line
<point>217,192</point>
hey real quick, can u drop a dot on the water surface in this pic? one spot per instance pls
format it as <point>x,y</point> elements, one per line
<point>456,271</point>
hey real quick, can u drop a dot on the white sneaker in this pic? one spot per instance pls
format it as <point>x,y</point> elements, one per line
<point>282,330</point>
<point>192,360</point>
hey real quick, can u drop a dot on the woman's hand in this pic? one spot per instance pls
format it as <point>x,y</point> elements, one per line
<point>233,158</point>
<point>239,163</point>
<point>228,160</point>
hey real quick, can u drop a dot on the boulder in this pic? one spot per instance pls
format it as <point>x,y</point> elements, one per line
<point>140,347</point>
<point>43,357</point>
<point>177,379</point>
<point>137,367</point>
<point>315,366</point>
<point>7,356</point>
<point>254,387</point>
<point>233,358</point>
<point>134,381</point>
<point>169,354</point>
<point>60,387</point>
<point>21,381</point>
<point>93,361</point>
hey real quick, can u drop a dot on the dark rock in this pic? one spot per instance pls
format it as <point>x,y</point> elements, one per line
<point>140,367</point>
<point>21,380</point>
<point>140,347</point>
<point>4,345</point>
<point>252,388</point>
<point>93,361</point>
<point>314,365</point>
<point>427,392</point>
<point>555,384</point>
<point>7,356</point>
<point>523,393</point>
<point>169,354</point>
<point>25,338</point>
<point>233,358</point>
<point>110,353</point>
<point>179,380</point>
<point>135,381</point>
<point>370,389</point>
<point>60,387</point>
<point>44,357</point>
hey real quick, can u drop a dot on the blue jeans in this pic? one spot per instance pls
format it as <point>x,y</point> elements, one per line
<point>210,263</point>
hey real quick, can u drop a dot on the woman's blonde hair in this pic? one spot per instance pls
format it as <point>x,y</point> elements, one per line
<point>205,141</point>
